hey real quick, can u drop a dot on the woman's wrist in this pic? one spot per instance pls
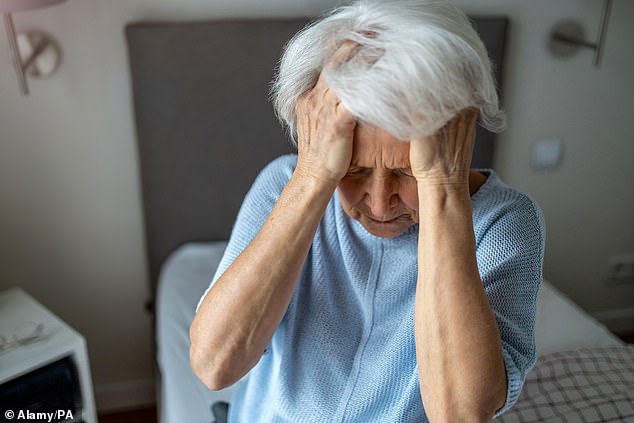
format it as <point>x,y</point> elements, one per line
<point>316,182</point>
<point>441,188</point>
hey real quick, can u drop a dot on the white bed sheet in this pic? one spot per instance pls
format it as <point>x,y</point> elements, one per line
<point>183,279</point>
<point>560,325</point>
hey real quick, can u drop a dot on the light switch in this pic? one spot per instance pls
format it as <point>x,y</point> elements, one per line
<point>547,154</point>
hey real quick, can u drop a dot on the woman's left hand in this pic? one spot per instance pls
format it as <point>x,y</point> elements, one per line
<point>445,157</point>
<point>458,344</point>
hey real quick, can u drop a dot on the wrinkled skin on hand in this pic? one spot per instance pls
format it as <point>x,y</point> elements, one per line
<point>445,157</point>
<point>325,128</point>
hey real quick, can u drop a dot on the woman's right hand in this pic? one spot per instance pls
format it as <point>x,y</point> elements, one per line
<point>325,128</point>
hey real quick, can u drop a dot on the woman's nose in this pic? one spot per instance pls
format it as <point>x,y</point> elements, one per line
<point>382,196</point>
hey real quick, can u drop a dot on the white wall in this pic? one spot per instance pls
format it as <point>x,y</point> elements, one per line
<point>70,208</point>
<point>589,200</point>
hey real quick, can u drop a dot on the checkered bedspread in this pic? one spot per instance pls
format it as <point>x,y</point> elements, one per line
<point>584,385</point>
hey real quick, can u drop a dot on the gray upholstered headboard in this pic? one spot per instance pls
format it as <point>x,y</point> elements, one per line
<point>205,126</point>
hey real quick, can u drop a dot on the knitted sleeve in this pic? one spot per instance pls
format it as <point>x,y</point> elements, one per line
<point>255,209</point>
<point>510,253</point>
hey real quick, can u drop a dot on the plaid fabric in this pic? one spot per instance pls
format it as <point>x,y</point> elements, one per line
<point>584,385</point>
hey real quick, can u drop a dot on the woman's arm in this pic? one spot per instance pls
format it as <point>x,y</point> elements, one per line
<point>458,345</point>
<point>237,318</point>
<point>240,313</point>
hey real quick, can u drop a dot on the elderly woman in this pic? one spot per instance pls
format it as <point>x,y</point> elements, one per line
<point>374,277</point>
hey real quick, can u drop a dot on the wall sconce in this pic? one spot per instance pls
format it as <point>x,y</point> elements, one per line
<point>567,37</point>
<point>33,53</point>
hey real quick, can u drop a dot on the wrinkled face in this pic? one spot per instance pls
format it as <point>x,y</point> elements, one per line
<point>379,190</point>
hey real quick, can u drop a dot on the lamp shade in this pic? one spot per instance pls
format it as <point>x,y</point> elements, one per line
<point>9,6</point>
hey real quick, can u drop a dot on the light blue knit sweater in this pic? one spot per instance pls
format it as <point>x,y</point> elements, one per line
<point>344,351</point>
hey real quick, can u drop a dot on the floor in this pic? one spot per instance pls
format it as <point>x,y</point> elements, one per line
<point>148,415</point>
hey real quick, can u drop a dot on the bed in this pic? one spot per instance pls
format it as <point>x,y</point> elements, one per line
<point>205,128</point>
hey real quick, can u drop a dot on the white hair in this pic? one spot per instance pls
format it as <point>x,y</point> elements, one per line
<point>419,63</point>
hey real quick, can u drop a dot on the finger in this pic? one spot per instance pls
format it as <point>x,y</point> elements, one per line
<point>344,53</point>
<point>461,126</point>
<point>468,122</point>
<point>466,132</point>
<point>300,104</point>
<point>345,118</point>
<point>321,84</point>
<point>326,95</point>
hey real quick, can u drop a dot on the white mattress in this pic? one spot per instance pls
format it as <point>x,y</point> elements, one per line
<point>560,325</point>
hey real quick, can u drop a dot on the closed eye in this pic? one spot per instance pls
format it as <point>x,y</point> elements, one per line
<point>355,170</point>
<point>403,172</point>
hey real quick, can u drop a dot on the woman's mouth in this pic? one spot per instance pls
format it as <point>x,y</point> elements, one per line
<point>384,221</point>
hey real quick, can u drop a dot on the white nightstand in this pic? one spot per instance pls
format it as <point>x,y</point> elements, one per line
<point>16,308</point>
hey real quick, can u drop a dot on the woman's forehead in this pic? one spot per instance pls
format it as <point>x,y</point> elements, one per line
<point>376,148</point>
